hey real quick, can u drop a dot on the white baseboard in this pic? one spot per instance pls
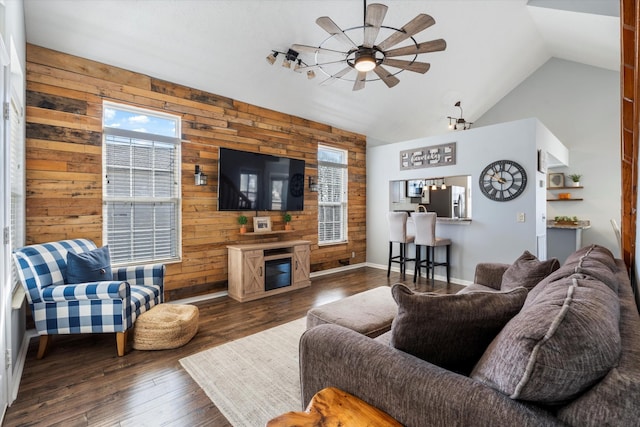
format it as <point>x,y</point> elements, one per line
<point>199,298</point>
<point>19,364</point>
<point>410,273</point>
<point>337,270</point>
<point>220,294</point>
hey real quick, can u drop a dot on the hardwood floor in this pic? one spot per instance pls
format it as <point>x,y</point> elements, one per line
<point>82,382</point>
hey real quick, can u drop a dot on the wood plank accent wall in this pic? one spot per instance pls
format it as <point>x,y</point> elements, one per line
<point>64,164</point>
<point>630,105</point>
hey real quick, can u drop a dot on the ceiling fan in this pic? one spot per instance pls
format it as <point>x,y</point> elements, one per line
<point>369,56</point>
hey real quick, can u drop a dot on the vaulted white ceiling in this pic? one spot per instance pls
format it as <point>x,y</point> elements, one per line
<point>220,46</point>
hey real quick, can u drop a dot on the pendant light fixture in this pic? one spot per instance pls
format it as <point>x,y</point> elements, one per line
<point>458,123</point>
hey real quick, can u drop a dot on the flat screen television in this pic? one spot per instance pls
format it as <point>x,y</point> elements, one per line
<point>259,182</point>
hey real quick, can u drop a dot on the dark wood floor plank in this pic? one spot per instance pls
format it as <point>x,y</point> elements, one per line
<point>82,382</point>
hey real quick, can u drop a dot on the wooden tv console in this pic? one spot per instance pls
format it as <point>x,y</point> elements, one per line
<point>258,270</point>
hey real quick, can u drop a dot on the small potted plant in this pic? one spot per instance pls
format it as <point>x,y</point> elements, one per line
<point>566,220</point>
<point>242,220</point>
<point>287,220</point>
<point>575,177</point>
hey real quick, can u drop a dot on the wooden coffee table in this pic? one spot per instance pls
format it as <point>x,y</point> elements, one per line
<point>333,407</point>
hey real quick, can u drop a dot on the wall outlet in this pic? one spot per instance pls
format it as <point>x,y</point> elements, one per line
<point>353,254</point>
<point>520,217</point>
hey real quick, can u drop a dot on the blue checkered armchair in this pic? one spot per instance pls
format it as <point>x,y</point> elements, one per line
<point>97,307</point>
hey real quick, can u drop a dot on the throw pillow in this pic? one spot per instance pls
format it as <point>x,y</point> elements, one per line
<point>527,271</point>
<point>557,347</point>
<point>451,331</point>
<point>91,266</point>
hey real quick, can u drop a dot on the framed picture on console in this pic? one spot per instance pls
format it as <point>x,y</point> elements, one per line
<point>261,224</point>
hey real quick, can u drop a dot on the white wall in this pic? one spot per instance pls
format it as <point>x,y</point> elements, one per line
<point>580,105</point>
<point>494,234</point>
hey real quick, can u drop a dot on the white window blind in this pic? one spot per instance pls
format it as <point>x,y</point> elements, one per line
<point>332,195</point>
<point>17,181</point>
<point>141,194</point>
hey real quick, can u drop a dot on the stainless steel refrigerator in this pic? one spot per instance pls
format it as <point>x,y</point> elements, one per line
<point>448,202</point>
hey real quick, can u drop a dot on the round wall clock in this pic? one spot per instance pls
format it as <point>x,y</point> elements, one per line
<point>503,180</point>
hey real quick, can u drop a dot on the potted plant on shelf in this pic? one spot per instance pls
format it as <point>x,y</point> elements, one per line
<point>287,220</point>
<point>575,177</point>
<point>242,220</point>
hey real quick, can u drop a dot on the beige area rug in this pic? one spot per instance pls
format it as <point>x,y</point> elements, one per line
<point>253,379</point>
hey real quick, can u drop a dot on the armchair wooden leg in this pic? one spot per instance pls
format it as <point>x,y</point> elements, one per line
<point>45,340</point>
<point>121,342</point>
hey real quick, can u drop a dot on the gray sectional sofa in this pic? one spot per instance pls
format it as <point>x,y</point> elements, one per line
<point>530,344</point>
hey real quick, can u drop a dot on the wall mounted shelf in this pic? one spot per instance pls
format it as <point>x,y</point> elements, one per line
<point>558,199</point>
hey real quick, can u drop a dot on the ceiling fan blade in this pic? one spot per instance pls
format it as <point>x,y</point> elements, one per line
<point>389,79</point>
<point>302,48</point>
<point>360,80</point>
<point>431,46</point>
<point>373,20</point>
<point>330,27</point>
<point>413,27</point>
<point>336,76</point>
<point>416,67</point>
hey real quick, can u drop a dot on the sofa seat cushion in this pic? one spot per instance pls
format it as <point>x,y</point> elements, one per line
<point>451,331</point>
<point>527,271</point>
<point>369,313</point>
<point>563,342</point>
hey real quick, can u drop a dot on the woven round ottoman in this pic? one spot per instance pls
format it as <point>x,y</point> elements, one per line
<point>165,326</point>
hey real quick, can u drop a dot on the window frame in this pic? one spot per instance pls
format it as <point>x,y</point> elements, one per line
<point>17,179</point>
<point>174,198</point>
<point>343,203</point>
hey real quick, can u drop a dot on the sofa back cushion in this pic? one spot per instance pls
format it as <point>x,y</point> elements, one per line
<point>563,342</point>
<point>614,399</point>
<point>527,271</point>
<point>451,331</point>
<point>590,261</point>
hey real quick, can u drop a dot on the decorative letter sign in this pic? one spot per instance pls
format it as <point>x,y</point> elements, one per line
<point>426,157</point>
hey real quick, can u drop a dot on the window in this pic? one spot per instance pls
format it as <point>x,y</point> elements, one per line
<point>332,195</point>
<point>16,135</point>
<point>141,184</point>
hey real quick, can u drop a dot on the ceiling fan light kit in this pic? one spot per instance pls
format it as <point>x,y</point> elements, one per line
<point>367,56</point>
<point>291,57</point>
<point>365,60</point>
